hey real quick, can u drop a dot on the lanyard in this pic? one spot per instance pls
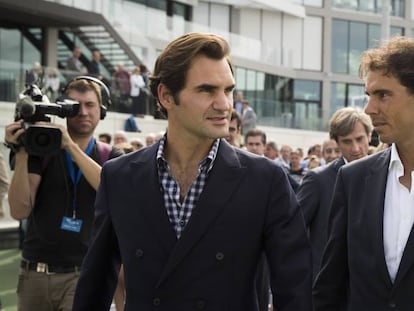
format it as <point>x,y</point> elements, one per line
<point>75,179</point>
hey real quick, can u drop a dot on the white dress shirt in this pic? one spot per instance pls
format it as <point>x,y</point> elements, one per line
<point>398,214</point>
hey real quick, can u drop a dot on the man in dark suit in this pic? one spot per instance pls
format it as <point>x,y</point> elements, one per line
<point>368,263</point>
<point>351,128</point>
<point>190,216</point>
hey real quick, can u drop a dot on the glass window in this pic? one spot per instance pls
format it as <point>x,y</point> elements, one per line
<point>339,46</point>
<point>374,35</point>
<point>10,69</point>
<point>157,4</point>
<point>356,95</point>
<point>240,77</point>
<point>251,80</point>
<point>307,90</point>
<point>30,53</point>
<point>9,46</point>
<point>357,45</point>
<point>368,6</point>
<point>337,96</point>
<point>350,40</point>
<point>371,6</point>
<point>396,31</point>
<point>346,4</point>
<point>398,8</point>
<point>316,3</point>
<point>343,95</point>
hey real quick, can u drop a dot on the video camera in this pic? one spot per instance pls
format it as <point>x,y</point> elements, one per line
<point>32,106</point>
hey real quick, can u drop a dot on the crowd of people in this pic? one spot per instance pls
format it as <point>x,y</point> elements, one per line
<point>212,215</point>
<point>129,88</point>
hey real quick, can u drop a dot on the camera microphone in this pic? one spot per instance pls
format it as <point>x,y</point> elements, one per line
<point>26,107</point>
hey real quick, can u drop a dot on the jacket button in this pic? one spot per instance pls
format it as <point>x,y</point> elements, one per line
<point>392,305</point>
<point>156,301</point>
<point>200,304</point>
<point>139,253</point>
<point>219,256</point>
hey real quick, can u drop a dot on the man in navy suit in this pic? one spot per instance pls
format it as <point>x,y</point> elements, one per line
<point>190,216</point>
<point>368,263</point>
<point>351,128</point>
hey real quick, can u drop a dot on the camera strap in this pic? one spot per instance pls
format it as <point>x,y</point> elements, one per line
<point>76,179</point>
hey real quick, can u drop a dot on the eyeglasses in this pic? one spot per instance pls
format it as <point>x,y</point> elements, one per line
<point>232,129</point>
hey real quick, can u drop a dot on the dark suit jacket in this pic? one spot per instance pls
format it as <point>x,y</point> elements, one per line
<point>314,196</point>
<point>247,206</point>
<point>354,271</point>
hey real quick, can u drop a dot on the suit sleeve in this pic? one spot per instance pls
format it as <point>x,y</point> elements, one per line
<point>288,250</point>
<point>100,268</point>
<point>308,197</point>
<point>330,290</point>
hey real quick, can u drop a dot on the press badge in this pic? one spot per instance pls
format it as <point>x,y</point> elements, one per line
<point>71,224</point>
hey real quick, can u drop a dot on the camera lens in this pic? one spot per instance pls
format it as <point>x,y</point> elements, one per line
<point>42,140</point>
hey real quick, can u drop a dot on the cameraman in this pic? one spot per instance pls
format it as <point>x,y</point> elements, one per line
<point>56,194</point>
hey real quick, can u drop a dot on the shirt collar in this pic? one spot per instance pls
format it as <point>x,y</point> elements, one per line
<point>395,161</point>
<point>395,157</point>
<point>207,162</point>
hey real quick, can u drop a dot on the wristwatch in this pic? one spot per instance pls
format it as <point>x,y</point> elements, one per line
<point>12,146</point>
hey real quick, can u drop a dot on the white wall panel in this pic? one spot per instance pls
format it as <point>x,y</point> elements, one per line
<point>312,43</point>
<point>250,23</point>
<point>292,41</point>
<point>220,17</point>
<point>272,37</point>
<point>200,13</point>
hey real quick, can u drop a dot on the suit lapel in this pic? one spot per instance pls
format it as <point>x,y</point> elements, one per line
<point>145,177</point>
<point>222,182</point>
<point>407,259</point>
<point>375,184</point>
<point>338,164</point>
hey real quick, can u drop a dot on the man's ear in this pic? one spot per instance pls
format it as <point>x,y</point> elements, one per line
<point>164,96</point>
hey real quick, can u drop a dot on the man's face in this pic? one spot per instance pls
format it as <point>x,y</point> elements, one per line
<point>204,105</point>
<point>150,140</point>
<point>119,138</point>
<point>285,152</point>
<point>89,114</point>
<point>239,96</point>
<point>234,133</point>
<point>295,159</point>
<point>331,151</point>
<point>354,145</point>
<point>391,108</point>
<point>270,152</point>
<point>318,151</point>
<point>77,52</point>
<point>96,55</point>
<point>255,145</point>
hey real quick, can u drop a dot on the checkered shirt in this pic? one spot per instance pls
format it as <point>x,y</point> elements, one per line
<point>180,213</point>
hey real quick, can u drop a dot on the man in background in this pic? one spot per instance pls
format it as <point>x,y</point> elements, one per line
<point>351,129</point>
<point>56,193</point>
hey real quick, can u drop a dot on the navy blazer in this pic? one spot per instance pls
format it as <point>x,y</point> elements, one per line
<point>315,196</point>
<point>354,274</point>
<point>246,207</point>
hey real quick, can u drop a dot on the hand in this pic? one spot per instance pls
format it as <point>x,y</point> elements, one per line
<point>66,139</point>
<point>13,132</point>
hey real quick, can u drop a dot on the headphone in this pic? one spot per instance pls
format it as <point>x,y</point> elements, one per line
<point>105,94</point>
